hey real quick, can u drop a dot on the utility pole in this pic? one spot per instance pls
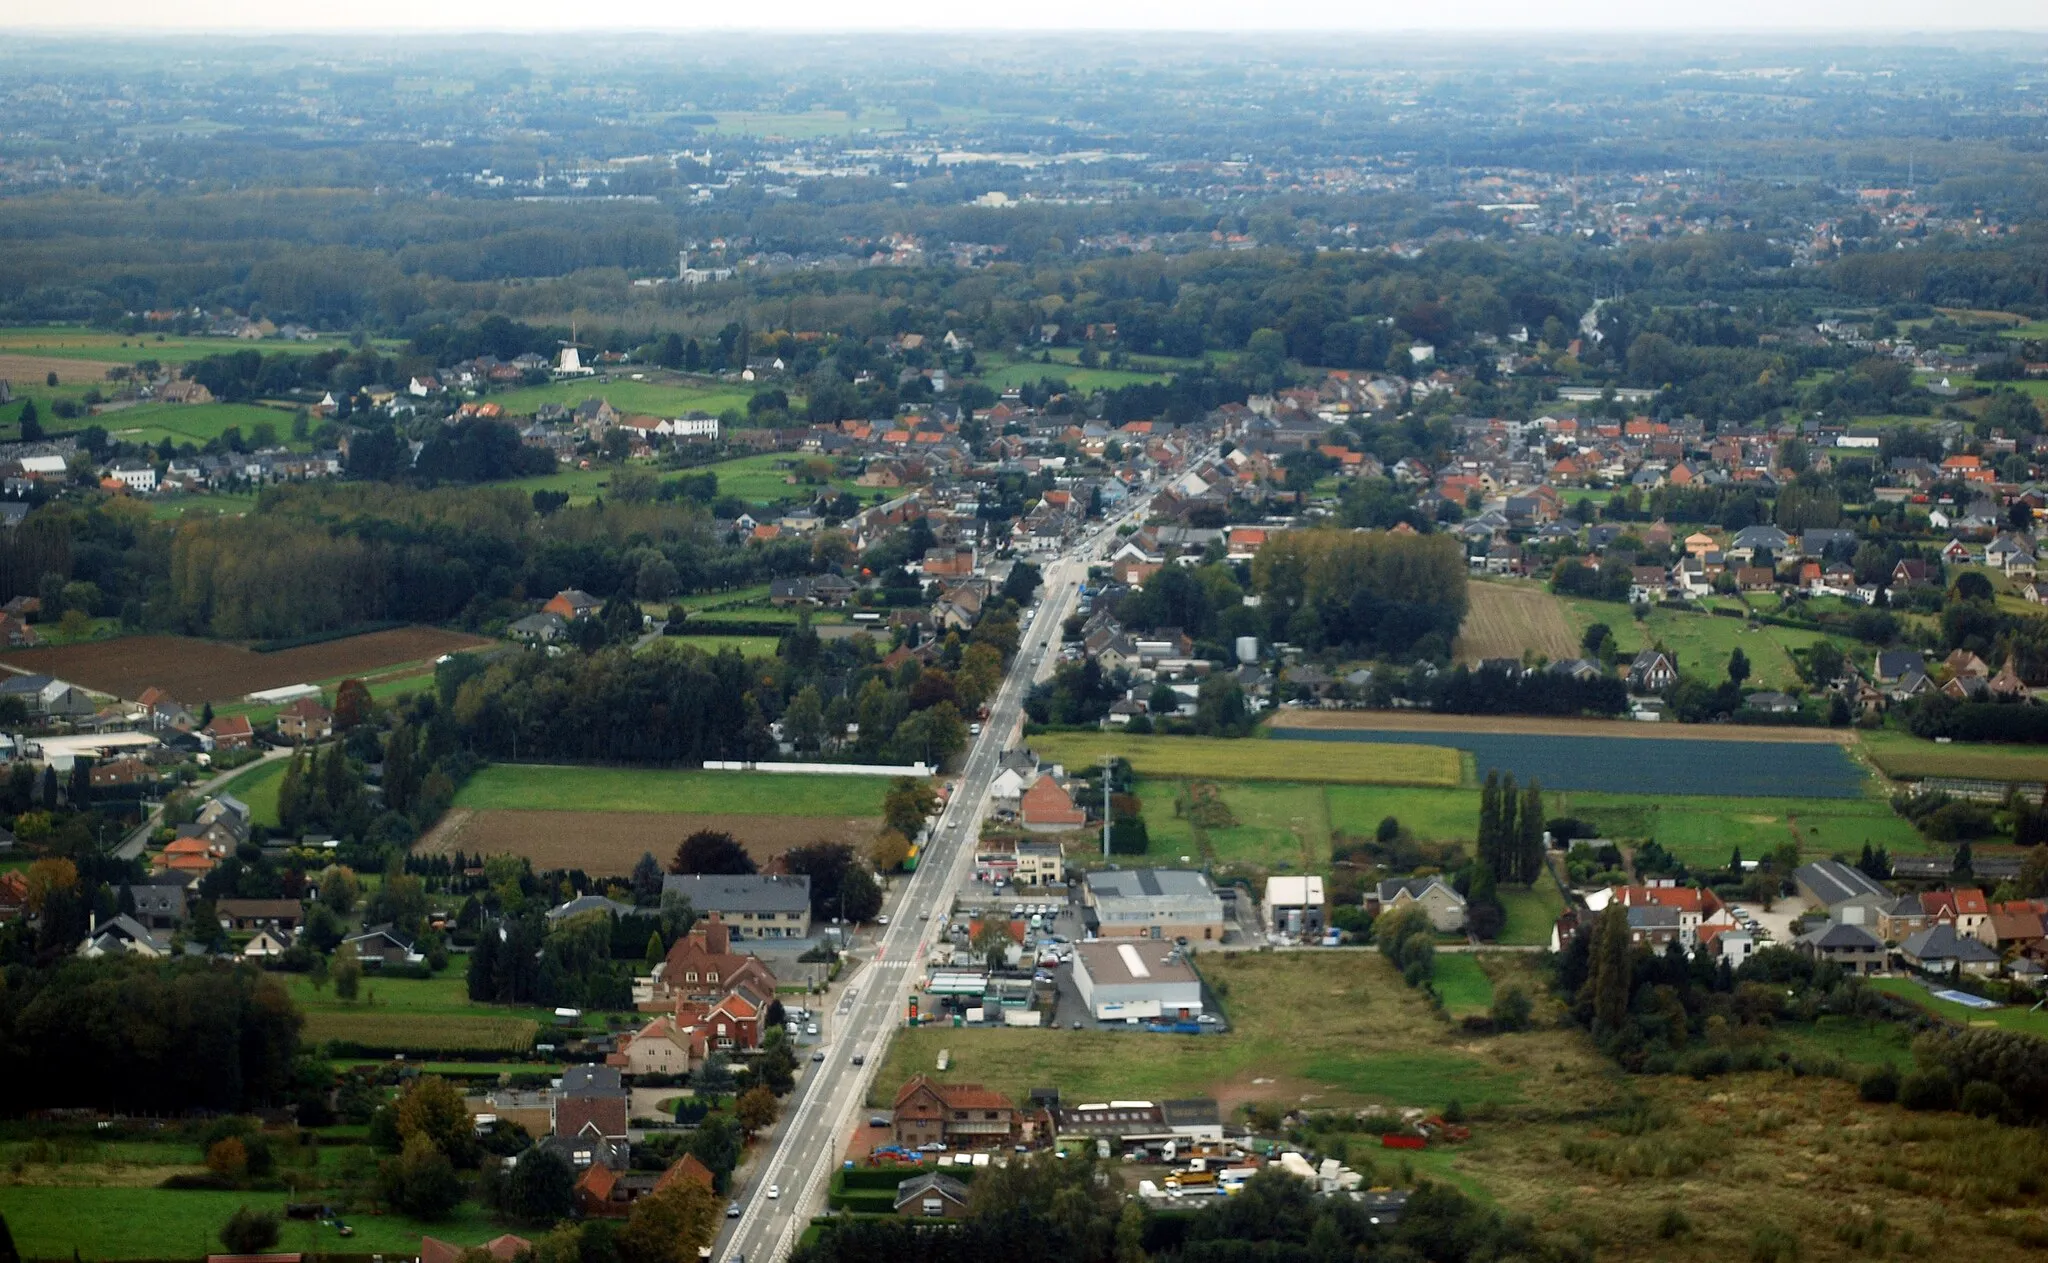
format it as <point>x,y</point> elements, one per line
<point>1107,761</point>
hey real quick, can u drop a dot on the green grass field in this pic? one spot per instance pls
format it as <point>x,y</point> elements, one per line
<point>1532,911</point>
<point>258,787</point>
<point>151,1223</point>
<point>666,397</point>
<point>1901,755</point>
<point>74,342</point>
<point>765,479</point>
<point>1221,758</point>
<point>1030,372</point>
<point>2011,1017</point>
<point>1461,982</point>
<point>1280,827</point>
<point>1703,643</point>
<point>197,424</point>
<point>506,787</point>
<point>416,1015</point>
<point>1430,815</point>
<point>1703,831</point>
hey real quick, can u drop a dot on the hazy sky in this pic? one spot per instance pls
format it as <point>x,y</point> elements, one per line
<point>1849,17</point>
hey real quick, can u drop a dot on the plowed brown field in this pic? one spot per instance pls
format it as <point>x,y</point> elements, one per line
<point>608,843</point>
<point>196,671</point>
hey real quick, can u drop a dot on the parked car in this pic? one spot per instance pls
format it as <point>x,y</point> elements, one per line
<point>732,1210</point>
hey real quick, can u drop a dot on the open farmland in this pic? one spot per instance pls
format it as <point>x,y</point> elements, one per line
<point>1402,764</point>
<point>1507,619</point>
<point>607,843</point>
<point>667,397</point>
<point>196,671</point>
<point>1547,726</point>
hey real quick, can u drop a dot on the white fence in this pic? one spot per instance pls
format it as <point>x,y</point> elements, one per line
<point>822,769</point>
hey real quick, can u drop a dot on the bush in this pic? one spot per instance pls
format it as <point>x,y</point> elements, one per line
<point>1984,1099</point>
<point>1927,1090</point>
<point>1772,1244</point>
<point>249,1231</point>
<point>1673,1224</point>
<point>1879,1084</point>
<point>1705,1063</point>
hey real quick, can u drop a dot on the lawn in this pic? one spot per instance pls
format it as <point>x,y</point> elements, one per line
<point>1532,912</point>
<point>1030,372</point>
<point>1461,982</point>
<point>258,788</point>
<point>1902,756</point>
<point>524,787</point>
<point>149,1223</point>
<point>667,397</point>
<point>1218,757</point>
<point>1370,1038</point>
<point>2010,1017</point>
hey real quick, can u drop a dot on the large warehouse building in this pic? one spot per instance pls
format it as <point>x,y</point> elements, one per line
<point>1130,982</point>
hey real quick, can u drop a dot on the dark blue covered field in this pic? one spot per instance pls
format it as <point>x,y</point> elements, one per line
<point>1638,765</point>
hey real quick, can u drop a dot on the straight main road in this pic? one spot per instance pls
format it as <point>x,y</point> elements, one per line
<point>798,1162</point>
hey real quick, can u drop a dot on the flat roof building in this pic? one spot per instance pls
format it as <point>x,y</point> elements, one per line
<point>1132,982</point>
<point>1157,903</point>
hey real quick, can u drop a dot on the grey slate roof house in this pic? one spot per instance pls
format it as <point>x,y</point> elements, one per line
<point>752,905</point>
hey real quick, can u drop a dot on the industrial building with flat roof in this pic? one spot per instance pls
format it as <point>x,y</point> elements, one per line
<point>1158,903</point>
<point>1133,982</point>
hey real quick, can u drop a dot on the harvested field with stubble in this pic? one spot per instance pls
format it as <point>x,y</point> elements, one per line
<point>1506,619</point>
<point>195,671</point>
<point>607,843</point>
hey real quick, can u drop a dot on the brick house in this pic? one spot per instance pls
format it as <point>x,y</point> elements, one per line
<point>958,1115</point>
<point>1047,808</point>
<point>702,966</point>
<point>231,732</point>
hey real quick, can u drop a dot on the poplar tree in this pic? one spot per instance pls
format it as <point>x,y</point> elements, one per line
<point>1612,969</point>
<point>1529,850</point>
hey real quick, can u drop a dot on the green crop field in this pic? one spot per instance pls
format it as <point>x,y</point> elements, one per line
<point>1030,372</point>
<point>550,788</point>
<point>665,397</point>
<point>1221,758</point>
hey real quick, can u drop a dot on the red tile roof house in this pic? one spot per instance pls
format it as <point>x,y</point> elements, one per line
<point>588,1116</point>
<point>702,966</point>
<point>1047,808</point>
<point>230,732</point>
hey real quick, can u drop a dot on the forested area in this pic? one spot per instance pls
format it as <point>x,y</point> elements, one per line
<point>316,557</point>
